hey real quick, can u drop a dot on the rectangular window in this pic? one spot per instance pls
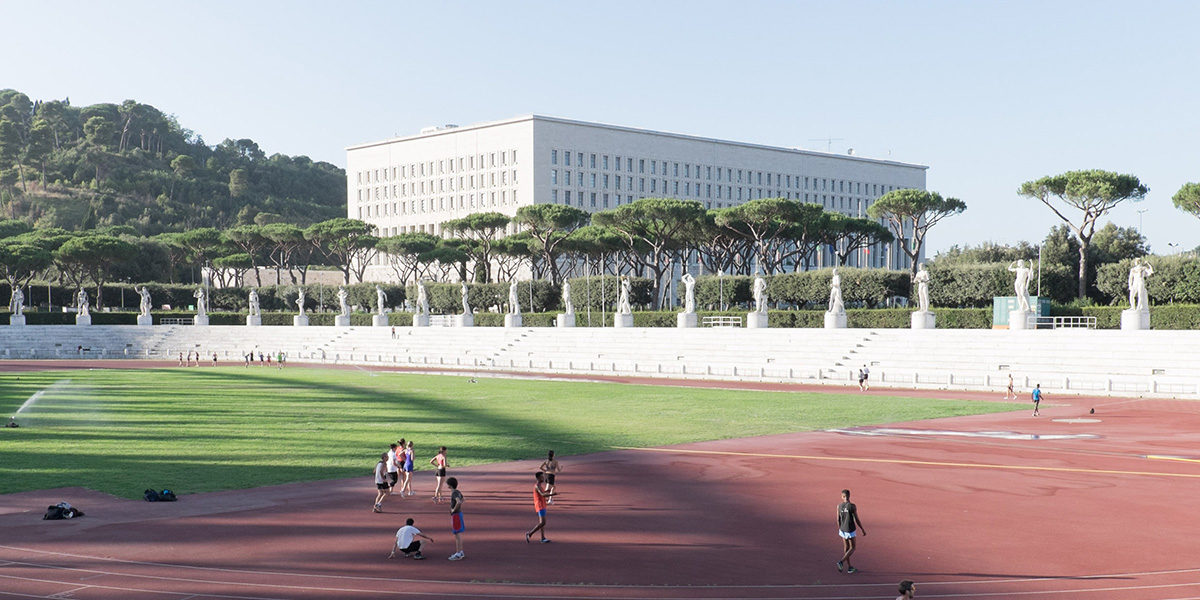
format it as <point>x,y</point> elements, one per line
<point>618,165</point>
<point>687,188</point>
<point>718,192</point>
<point>606,182</point>
<point>629,165</point>
<point>592,161</point>
<point>654,167</point>
<point>593,199</point>
<point>708,190</point>
<point>676,170</point>
<point>567,196</point>
<point>641,184</point>
<point>606,161</point>
<point>653,186</point>
<point>641,165</point>
<point>554,196</point>
<point>676,190</point>
<point>579,177</point>
<point>593,180</point>
<point>567,158</point>
<point>579,163</point>
<point>708,173</point>
<point>739,175</point>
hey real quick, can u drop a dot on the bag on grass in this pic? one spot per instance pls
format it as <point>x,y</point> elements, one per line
<point>62,510</point>
<point>163,496</point>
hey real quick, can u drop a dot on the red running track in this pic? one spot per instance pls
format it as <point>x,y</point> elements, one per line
<point>952,503</point>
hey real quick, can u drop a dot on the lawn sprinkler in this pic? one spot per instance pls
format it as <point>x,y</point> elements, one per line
<point>12,422</point>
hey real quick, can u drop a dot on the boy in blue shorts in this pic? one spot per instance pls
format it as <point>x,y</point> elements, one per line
<point>1037,398</point>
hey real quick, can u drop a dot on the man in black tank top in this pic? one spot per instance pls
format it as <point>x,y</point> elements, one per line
<point>848,527</point>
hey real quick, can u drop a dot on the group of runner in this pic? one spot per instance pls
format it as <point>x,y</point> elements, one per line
<point>399,459</point>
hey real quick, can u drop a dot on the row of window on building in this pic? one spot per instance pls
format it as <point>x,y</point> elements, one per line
<point>486,200</point>
<point>687,170</point>
<point>438,185</point>
<point>432,168</point>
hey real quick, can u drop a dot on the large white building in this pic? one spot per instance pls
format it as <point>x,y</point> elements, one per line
<point>416,183</point>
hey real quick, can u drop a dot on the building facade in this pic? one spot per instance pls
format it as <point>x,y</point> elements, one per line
<point>417,183</point>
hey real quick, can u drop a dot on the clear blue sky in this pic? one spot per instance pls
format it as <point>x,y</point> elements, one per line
<point>987,94</point>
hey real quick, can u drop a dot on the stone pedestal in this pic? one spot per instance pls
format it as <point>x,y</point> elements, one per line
<point>464,320</point>
<point>565,320</point>
<point>83,319</point>
<point>253,320</point>
<point>923,319</point>
<point>341,320</point>
<point>145,320</point>
<point>300,321</point>
<point>686,320</point>
<point>756,320</point>
<point>379,321</point>
<point>200,320</point>
<point>1135,320</point>
<point>622,320</point>
<point>1019,319</point>
<point>420,320</point>
<point>512,321</point>
<point>16,320</point>
<point>835,320</point>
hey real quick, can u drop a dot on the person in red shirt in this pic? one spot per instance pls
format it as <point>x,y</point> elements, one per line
<point>540,496</point>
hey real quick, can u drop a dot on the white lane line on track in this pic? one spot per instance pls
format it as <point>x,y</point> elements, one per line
<point>1100,576</point>
<point>902,461</point>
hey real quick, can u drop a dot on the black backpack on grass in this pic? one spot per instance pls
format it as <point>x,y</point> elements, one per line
<point>61,511</point>
<point>163,496</point>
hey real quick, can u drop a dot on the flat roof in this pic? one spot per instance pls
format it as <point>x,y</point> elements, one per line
<point>549,119</point>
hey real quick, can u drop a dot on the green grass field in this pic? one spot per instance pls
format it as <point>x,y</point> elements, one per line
<point>193,430</point>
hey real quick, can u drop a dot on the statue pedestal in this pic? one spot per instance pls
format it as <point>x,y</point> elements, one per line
<point>253,320</point>
<point>686,320</point>
<point>145,320</point>
<point>756,320</point>
<point>923,319</point>
<point>622,320</point>
<point>16,320</point>
<point>300,321</point>
<point>1135,320</point>
<point>420,321</point>
<point>200,320</point>
<point>1019,320</point>
<point>565,320</point>
<point>835,320</point>
<point>379,321</point>
<point>341,320</point>
<point>512,320</point>
<point>83,319</point>
<point>465,320</point>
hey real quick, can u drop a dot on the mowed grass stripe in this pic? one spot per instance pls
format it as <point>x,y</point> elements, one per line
<point>204,429</point>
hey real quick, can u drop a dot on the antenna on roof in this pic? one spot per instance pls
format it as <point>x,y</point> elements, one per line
<point>828,142</point>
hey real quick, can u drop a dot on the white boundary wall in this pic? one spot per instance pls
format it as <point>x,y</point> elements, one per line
<point>1090,362</point>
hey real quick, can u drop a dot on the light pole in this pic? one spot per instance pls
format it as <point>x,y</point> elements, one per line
<point>1174,247</point>
<point>1140,212</point>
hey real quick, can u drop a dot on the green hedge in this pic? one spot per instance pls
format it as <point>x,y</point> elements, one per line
<point>270,297</point>
<point>1175,279</point>
<point>975,284</point>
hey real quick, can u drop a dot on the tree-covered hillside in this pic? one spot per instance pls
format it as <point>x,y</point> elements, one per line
<point>131,164</point>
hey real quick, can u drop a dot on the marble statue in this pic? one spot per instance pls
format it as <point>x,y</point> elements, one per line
<point>922,281</point>
<point>623,306</point>
<point>1139,299</point>
<point>835,293</point>
<point>760,295</point>
<point>1021,284</point>
<point>689,292</point>
<point>566,298</point>
<point>466,305</point>
<point>300,300</point>
<point>380,300</point>
<point>201,308</point>
<point>514,303</point>
<point>82,300</point>
<point>422,298</point>
<point>17,302</point>
<point>343,301</point>
<point>146,305</point>
<point>255,309</point>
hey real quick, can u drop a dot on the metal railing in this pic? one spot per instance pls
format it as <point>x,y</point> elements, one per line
<point>721,321</point>
<point>1062,322</point>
